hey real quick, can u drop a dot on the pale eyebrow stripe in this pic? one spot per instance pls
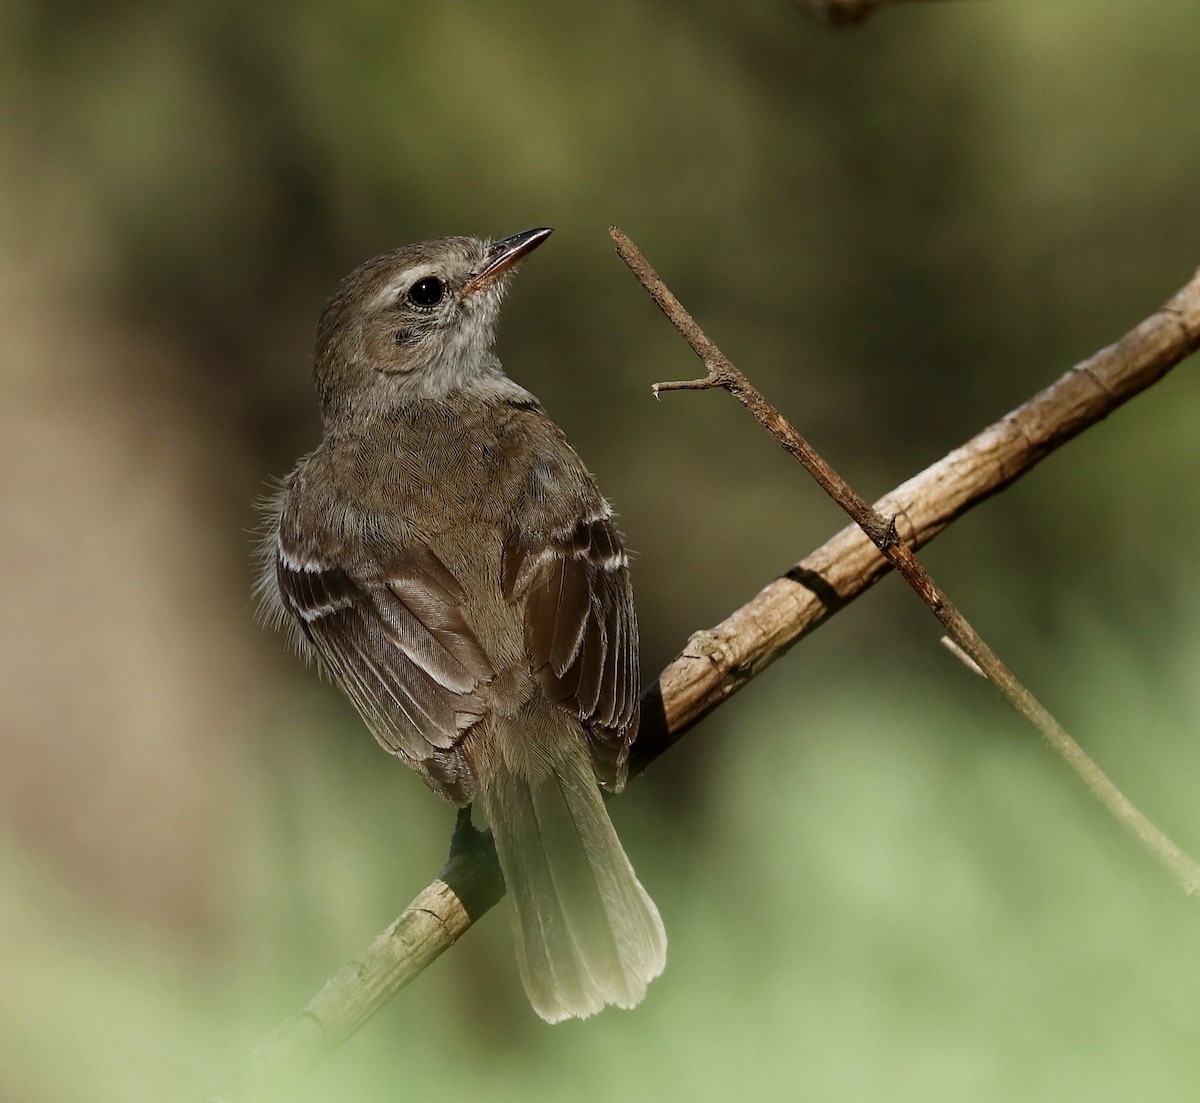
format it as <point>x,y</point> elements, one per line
<point>403,281</point>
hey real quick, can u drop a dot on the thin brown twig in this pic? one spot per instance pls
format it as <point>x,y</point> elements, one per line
<point>881,530</point>
<point>717,662</point>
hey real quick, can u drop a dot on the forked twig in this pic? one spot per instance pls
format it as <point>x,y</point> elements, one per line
<point>883,534</point>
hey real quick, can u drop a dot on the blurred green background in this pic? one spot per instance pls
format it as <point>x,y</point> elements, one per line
<point>877,883</point>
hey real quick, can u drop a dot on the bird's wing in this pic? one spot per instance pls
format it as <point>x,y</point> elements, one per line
<point>581,632</point>
<point>395,640</point>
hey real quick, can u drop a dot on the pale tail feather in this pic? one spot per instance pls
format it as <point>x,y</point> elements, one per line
<point>586,932</point>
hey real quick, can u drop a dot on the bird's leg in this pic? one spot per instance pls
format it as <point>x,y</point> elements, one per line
<point>468,842</point>
<point>473,870</point>
<point>465,833</point>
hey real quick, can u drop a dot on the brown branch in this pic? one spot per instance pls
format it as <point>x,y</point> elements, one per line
<point>716,663</point>
<point>467,887</point>
<point>882,532</point>
<point>840,12</point>
<point>719,661</point>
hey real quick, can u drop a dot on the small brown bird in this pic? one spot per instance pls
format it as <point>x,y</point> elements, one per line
<point>449,560</point>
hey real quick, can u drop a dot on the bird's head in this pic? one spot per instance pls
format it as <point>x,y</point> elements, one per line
<point>416,322</point>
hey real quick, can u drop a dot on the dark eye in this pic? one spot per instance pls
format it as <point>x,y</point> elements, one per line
<point>427,292</point>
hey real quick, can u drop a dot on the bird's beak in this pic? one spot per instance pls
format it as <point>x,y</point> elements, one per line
<point>502,255</point>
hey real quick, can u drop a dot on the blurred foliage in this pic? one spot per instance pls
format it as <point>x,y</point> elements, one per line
<point>876,884</point>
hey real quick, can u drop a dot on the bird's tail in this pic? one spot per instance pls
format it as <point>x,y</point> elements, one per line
<point>587,934</point>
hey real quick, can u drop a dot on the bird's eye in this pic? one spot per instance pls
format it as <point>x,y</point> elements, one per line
<point>427,292</point>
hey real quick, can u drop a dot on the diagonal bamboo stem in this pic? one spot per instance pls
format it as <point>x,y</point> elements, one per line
<point>719,661</point>
<point>882,532</point>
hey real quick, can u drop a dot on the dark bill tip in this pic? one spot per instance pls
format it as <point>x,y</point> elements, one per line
<point>503,254</point>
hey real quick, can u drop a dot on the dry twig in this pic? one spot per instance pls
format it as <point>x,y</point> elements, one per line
<point>883,534</point>
<point>719,661</point>
<point>468,885</point>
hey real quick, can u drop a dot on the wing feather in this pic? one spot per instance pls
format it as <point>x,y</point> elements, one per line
<point>395,638</point>
<point>581,632</point>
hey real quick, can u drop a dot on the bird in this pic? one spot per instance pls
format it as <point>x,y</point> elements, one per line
<point>447,558</point>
